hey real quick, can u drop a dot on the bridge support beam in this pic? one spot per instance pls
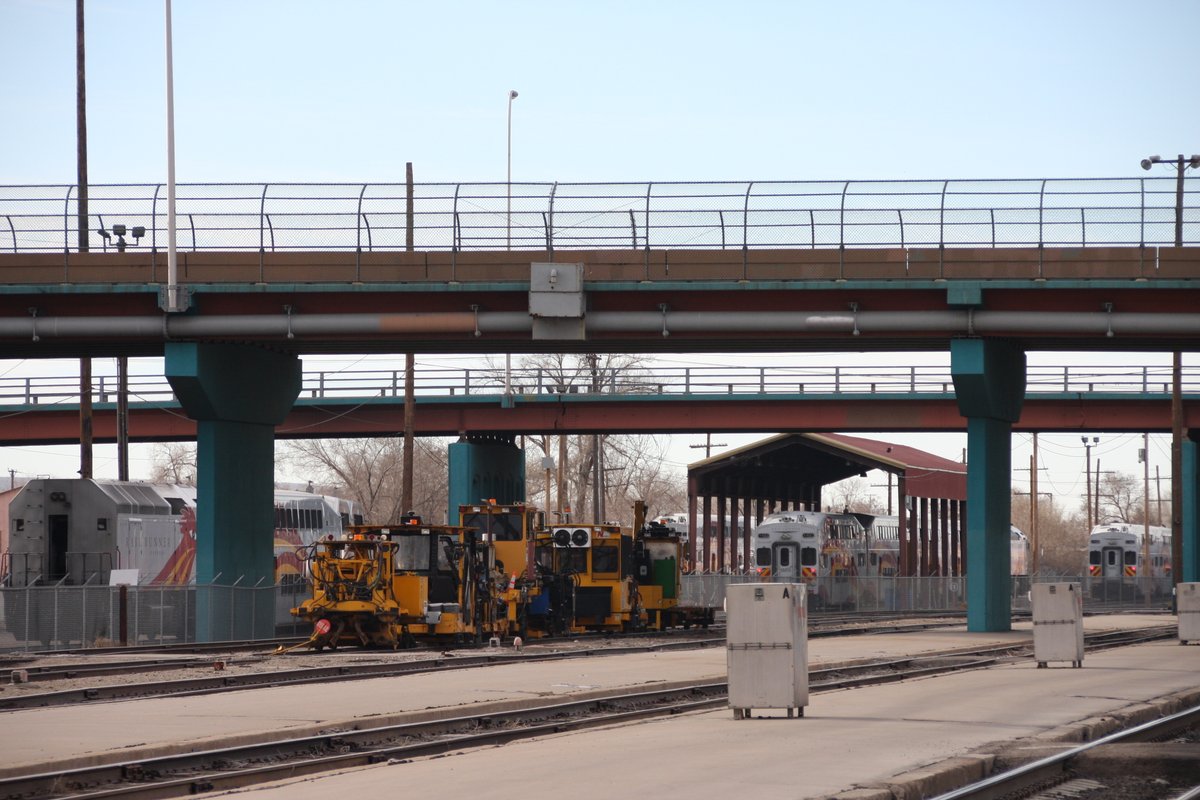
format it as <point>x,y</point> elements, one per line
<point>485,467</point>
<point>237,394</point>
<point>1190,569</point>
<point>989,384</point>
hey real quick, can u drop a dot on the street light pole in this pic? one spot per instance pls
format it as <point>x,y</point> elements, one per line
<point>512,95</point>
<point>1181,164</point>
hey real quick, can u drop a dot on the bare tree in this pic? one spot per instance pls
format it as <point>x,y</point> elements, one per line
<point>370,471</point>
<point>854,494</point>
<point>1121,498</point>
<point>173,462</point>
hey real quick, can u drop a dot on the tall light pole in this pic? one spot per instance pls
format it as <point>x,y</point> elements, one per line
<point>512,95</point>
<point>1181,164</point>
<point>1088,475</point>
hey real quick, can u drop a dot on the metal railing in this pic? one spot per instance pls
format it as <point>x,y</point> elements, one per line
<point>365,384</point>
<point>609,216</point>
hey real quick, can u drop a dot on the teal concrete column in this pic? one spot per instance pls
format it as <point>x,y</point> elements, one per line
<point>989,384</point>
<point>485,467</point>
<point>237,394</point>
<point>1190,569</point>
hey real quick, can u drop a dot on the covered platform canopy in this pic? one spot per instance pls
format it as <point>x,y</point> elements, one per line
<point>788,472</point>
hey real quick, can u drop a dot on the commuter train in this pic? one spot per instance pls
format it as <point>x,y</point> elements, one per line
<point>77,531</point>
<point>1121,559</point>
<point>830,552</point>
<point>501,572</point>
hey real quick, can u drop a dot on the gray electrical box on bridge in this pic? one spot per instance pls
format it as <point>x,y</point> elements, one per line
<point>556,301</point>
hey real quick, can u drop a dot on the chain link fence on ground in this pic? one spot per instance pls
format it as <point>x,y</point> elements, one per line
<point>39,618</point>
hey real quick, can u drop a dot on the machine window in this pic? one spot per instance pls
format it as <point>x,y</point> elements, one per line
<point>808,556</point>
<point>1094,558</point>
<point>785,556</point>
<point>1130,558</point>
<point>762,556</point>
<point>605,559</point>
<point>412,553</point>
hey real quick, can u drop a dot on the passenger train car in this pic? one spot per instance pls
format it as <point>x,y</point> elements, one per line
<point>830,552</point>
<point>76,531</point>
<point>1120,557</point>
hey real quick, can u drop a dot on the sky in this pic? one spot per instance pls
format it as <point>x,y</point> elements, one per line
<point>608,91</point>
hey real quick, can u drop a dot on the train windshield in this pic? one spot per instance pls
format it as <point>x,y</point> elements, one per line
<point>500,527</point>
<point>412,552</point>
<point>1094,558</point>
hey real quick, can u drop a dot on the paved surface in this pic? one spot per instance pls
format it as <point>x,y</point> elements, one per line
<point>847,739</point>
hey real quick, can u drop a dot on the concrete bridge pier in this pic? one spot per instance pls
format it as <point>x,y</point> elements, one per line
<point>1190,547</point>
<point>237,394</point>
<point>485,467</point>
<point>989,383</point>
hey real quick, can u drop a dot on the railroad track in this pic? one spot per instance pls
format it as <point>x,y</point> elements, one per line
<point>225,681</point>
<point>1067,774</point>
<point>248,764</point>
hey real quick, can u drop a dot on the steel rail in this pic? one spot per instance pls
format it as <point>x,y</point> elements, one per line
<point>1052,767</point>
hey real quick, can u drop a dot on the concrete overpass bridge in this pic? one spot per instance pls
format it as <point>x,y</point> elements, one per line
<point>985,269</point>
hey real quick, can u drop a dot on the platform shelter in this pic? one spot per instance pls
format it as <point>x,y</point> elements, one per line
<point>730,493</point>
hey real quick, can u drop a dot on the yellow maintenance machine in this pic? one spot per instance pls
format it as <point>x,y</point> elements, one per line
<point>391,585</point>
<point>575,577</point>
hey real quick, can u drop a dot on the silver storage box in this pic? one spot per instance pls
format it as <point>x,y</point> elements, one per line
<point>1187,604</point>
<point>1057,623</point>
<point>766,628</point>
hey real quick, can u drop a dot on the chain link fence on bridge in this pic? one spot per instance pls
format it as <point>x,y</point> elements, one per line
<point>606,216</point>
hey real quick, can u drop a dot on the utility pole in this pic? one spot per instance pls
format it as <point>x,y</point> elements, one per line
<point>1145,459</point>
<point>1033,505</point>
<point>85,364</point>
<point>410,379</point>
<point>708,445</point>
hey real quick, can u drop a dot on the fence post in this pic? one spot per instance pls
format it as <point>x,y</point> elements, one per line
<point>123,614</point>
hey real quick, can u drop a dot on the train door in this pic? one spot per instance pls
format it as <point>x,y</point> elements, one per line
<point>785,561</point>
<point>1111,559</point>
<point>60,526</point>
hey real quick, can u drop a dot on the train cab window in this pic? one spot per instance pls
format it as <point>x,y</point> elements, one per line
<point>605,559</point>
<point>412,553</point>
<point>574,560</point>
<point>1112,557</point>
<point>762,556</point>
<point>1130,558</point>
<point>1094,558</point>
<point>445,546</point>
<point>785,556</point>
<point>808,556</point>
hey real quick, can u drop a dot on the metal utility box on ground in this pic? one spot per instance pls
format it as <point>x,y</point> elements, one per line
<point>766,635</point>
<point>1187,605</point>
<point>1057,623</point>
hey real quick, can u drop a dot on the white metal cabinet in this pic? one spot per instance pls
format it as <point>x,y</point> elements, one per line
<point>1057,623</point>
<point>766,628</point>
<point>1187,604</point>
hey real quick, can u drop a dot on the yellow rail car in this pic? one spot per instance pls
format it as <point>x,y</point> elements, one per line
<point>389,586</point>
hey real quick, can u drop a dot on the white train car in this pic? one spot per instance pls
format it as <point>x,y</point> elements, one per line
<point>1118,553</point>
<point>825,551</point>
<point>76,531</point>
